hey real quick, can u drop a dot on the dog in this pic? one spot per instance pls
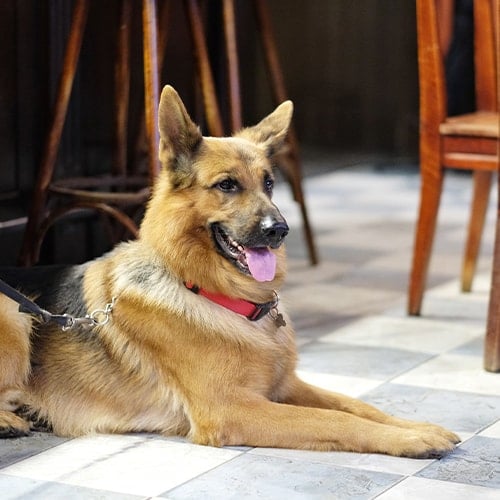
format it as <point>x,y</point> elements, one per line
<point>189,337</point>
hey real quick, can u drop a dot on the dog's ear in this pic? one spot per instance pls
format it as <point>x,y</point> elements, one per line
<point>179,136</point>
<point>271,131</point>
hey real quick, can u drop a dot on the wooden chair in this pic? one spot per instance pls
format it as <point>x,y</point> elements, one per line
<point>464,142</point>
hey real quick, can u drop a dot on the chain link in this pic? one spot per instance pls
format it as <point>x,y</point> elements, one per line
<point>98,317</point>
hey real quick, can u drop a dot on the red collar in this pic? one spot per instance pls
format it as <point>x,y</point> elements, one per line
<point>250,310</point>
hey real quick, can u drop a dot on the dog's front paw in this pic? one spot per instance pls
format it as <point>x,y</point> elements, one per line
<point>437,429</point>
<point>427,428</point>
<point>12,426</point>
<point>429,441</point>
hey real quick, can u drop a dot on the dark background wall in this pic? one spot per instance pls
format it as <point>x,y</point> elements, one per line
<point>349,65</point>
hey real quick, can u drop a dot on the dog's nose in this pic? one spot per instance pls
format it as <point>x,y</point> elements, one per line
<point>274,231</point>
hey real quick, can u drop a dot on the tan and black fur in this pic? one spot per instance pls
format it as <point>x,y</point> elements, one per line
<point>171,361</point>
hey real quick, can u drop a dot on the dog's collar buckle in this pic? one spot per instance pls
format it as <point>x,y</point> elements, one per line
<point>250,310</point>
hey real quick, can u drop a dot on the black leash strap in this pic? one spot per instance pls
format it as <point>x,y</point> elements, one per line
<point>28,306</point>
<point>98,317</point>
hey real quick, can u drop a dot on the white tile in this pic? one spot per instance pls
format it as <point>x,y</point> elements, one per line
<point>493,431</point>
<point>453,372</point>
<point>409,333</point>
<point>140,465</point>
<point>364,461</point>
<point>416,488</point>
<point>350,386</point>
<point>457,309</point>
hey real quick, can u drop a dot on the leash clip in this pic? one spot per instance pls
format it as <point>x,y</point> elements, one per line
<point>98,317</point>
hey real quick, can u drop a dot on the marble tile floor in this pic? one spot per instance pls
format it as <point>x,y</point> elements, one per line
<point>355,338</point>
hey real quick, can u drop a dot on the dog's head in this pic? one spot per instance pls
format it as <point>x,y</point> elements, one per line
<point>211,216</point>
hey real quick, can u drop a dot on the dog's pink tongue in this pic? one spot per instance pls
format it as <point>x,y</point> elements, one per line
<point>261,262</point>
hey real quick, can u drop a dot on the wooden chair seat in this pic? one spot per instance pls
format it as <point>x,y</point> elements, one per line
<point>478,124</point>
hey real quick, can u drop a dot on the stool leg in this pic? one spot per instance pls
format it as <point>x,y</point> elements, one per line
<point>278,85</point>
<point>151,84</point>
<point>479,206</point>
<point>140,144</point>
<point>122,88</point>
<point>51,146</point>
<point>232,65</point>
<point>212,112</point>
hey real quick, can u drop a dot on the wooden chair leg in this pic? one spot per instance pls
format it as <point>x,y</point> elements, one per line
<point>51,146</point>
<point>479,206</point>
<point>430,196</point>
<point>492,340</point>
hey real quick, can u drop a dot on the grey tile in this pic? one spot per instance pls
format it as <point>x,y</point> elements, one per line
<point>359,361</point>
<point>14,450</point>
<point>333,298</point>
<point>476,462</point>
<point>252,476</point>
<point>458,411</point>
<point>473,348</point>
<point>378,279</point>
<point>13,488</point>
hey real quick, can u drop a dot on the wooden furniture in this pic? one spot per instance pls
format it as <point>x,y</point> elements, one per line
<point>52,200</point>
<point>492,341</point>
<point>464,142</point>
<point>119,194</point>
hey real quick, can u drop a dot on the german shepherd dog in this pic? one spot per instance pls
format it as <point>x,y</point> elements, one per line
<point>196,343</point>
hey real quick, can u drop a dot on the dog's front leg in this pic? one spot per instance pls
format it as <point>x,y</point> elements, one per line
<point>298,392</point>
<point>263,423</point>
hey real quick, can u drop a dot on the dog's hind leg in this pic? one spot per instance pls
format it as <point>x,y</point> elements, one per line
<point>15,329</point>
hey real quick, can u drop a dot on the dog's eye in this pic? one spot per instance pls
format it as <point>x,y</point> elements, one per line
<point>269,184</point>
<point>228,186</point>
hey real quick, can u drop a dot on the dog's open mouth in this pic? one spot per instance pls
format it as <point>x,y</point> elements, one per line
<point>259,262</point>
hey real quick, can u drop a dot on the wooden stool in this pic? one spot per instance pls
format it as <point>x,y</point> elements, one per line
<point>77,194</point>
<point>127,190</point>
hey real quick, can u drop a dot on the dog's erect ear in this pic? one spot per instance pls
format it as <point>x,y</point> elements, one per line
<point>179,136</point>
<point>271,131</point>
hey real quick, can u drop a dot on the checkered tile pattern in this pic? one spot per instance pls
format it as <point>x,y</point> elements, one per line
<point>355,338</point>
